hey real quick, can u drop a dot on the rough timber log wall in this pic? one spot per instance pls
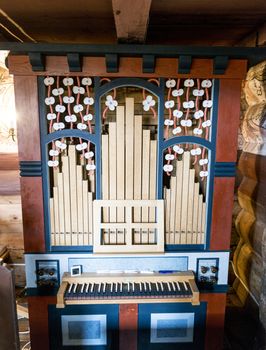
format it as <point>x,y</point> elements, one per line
<point>250,254</point>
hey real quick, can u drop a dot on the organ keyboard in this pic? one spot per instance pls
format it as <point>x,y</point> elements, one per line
<point>122,288</point>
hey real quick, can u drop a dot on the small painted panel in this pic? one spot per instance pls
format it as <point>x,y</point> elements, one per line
<point>93,327</point>
<point>84,329</point>
<point>172,327</point>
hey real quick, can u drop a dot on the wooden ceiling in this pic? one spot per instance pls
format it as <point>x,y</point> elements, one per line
<point>180,22</point>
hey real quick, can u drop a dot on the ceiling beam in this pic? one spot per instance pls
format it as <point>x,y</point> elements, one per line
<point>131,20</point>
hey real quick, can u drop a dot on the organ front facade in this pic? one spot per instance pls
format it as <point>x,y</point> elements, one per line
<point>127,178</point>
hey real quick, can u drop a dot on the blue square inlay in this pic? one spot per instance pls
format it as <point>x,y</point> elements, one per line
<point>172,328</point>
<point>84,329</point>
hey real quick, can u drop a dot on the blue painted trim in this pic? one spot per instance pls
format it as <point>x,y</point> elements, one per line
<point>222,288</point>
<point>72,249</point>
<point>213,135</point>
<point>225,169</point>
<point>187,139</point>
<point>184,247</point>
<point>44,155</point>
<point>160,138</point>
<point>30,168</point>
<point>69,133</point>
<point>120,82</point>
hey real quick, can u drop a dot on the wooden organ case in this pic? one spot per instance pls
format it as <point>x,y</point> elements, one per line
<point>127,177</point>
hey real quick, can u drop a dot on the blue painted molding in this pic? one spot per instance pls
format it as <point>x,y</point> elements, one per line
<point>184,247</point>
<point>220,64</point>
<point>30,168</point>
<point>184,64</point>
<point>74,61</point>
<point>112,63</point>
<point>37,61</point>
<point>225,169</point>
<point>57,135</point>
<point>148,63</point>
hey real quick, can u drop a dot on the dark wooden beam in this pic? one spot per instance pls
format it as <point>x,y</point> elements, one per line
<point>131,20</point>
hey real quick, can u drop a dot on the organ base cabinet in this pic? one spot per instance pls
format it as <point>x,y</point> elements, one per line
<point>127,163</point>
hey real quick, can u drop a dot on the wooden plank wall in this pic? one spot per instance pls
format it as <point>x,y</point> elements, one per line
<point>11,229</point>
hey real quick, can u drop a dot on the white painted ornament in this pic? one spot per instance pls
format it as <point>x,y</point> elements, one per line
<point>90,167</point>
<point>206,124</point>
<point>178,150</point>
<point>111,103</point>
<point>78,108</point>
<point>58,92</point>
<point>168,168</point>
<point>198,114</point>
<point>168,122</point>
<point>207,103</point>
<point>188,104</point>
<point>170,83</point>
<point>197,131</point>
<point>187,123</point>
<point>68,81</point>
<point>89,155</point>
<point>195,151</point>
<point>53,152</point>
<point>177,113</point>
<point>198,93</point>
<point>60,108</point>
<point>58,126</point>
<point>148,103</point>
<point>48,81</point>
<point>203,173</point>
<point>78,90</point>
<point>189,83</point>
<point>49,100</point>
<point>86,81</point>
<point>53,163</point>
<point>60,144</point>
<point>81,146</point>
<point>206,83</point>
<point>177,92</point>
<point>203,161</point>
<point>51,116</point>
<point>82,126</point>
<point>68,99</point>
<point>88,117</point>
<point>88,101</point>
<point>169,104</point>
<point>177,130</point>
<point>70,118</point>
<point>169,156</point>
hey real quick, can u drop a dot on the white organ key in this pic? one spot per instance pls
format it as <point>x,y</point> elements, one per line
<point>99,287</point>
<point>112,287</point>
<point>120,287</point>
<point>128,286</point>
<point>104,287</point>
<point>169,286</point>
<point>173,286</point>
<point>133,287</point>
<point>82,288</point>
<point>75,288</point>
<point>91,289</point>
<point>178,287</point>
<point>161,284</point>
<point>186,288</point>
<point>145,288</point>
<point>70,287</point>
<point>140,286</point>
<point>149,283</point>
<point>157,286</point>
<point>87,288</point>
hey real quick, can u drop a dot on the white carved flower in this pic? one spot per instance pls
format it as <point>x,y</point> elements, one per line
<point>148,103</point>
<point>170,83</point>
<point>111,103</point>
<point>169,104</point>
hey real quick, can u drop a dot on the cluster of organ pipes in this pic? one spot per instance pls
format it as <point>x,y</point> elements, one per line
<point>128,172</point>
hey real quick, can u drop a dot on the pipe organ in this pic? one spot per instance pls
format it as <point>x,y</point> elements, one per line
<point>127,178</point>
